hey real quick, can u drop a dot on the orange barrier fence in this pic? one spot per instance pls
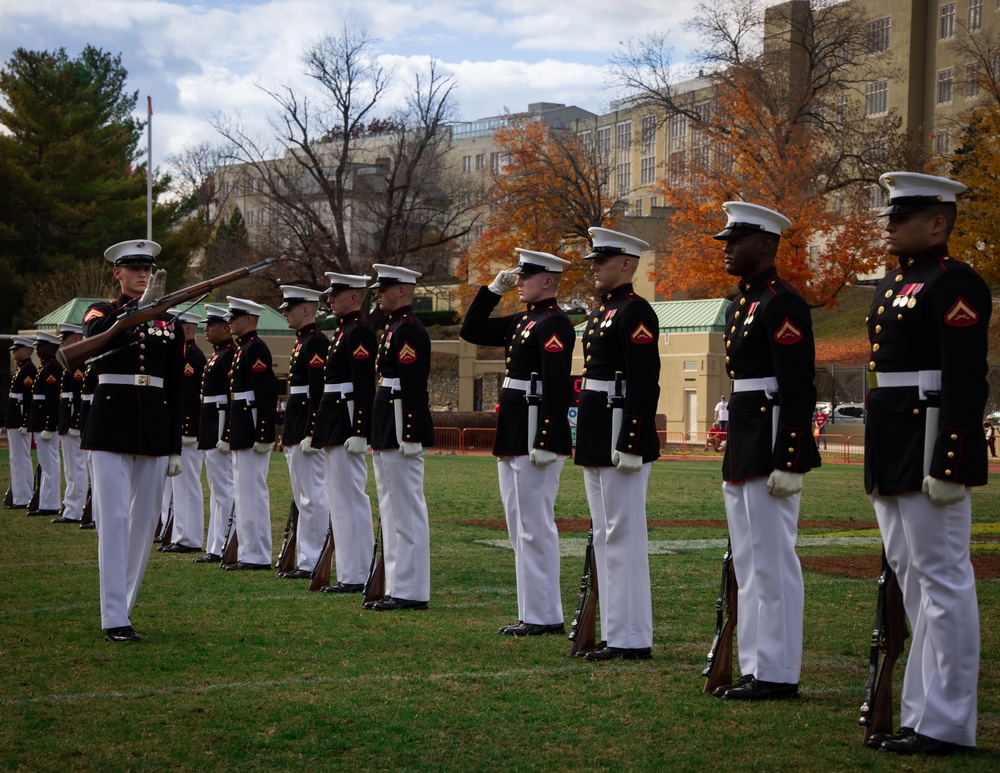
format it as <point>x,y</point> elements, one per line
<point>447,439</point>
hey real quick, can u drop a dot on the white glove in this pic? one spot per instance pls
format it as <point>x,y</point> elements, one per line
<point>156,288</point>
<point>943,492</point>
<point>541,458</point>
<point>783,484</point>
<point>222,446</point>
<point>306,446</point>
<point>356,445</point>
<point>626,462</point>
<point>411,450</point>
<point>173,465</point>
<point>23,430</point>
<point>188,440</point>
<point>74,433</point>
<point>262,448</point>
<point>505,280</point>
<point>45,435</point>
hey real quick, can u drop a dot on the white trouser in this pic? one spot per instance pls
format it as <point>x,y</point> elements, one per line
<point>406,544</point>
<point>346,478</point>
<point>127,491</point>
<point>253,506</point>
<point>618,510</point>
<point>528,494</point>
<point>188,499</point>
<point>21,479</point>
<point>309,490</point>
<point>928,549</point>
<point>763,530</point>
<point>50,489</point>
<point>74,462</point>
<point>219,471</point>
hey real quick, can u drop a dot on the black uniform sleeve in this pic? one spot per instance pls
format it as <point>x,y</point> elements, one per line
<point>413,353</point>
<point>479,328</point>
<point>640,343</point>
<point>362,346</point>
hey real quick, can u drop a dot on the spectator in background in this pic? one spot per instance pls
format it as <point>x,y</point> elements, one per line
<point>991,438</point>
<point>716,438</point>
<point>819,420</point>
<point>722,413</point>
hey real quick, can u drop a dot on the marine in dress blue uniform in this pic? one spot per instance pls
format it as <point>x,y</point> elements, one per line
<point>305,463</point>
<point>214,412</point>
<point>401,429</point>
<point>771,358</point>
<point>73,457</point>
<point>133,431</point>
<point>539,342</point>
<point>16,420</point>
<point>43,423</point>
<point>249,435</point>
<point>621,338</point>
<point>342,428</point>
<point>924,448</point>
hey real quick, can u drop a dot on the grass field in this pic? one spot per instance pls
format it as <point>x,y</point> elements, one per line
<point>245,671</point>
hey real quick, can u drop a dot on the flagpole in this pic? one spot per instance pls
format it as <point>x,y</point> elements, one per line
<point>149,170</point>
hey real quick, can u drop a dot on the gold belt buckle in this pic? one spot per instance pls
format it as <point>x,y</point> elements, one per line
<point>141,379</point>
<point>872,379</point>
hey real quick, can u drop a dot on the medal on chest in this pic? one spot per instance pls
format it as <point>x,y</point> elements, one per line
<point>608,317</point>
<point>527,329</point>
<point>908,295</point>
<point>750,313</point>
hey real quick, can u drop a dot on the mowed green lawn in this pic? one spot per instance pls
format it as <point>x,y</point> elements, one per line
<point>242,671</point>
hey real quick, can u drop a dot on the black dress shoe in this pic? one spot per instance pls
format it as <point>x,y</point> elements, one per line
<point>757,690</point>
<point>178,548</point>
<point>744,680</point>
<point>88,526</point>
<point>296,574</point>
<point>506,630</point>
<point>241,566</point>
<point>371,604</point>
<point>391,603</point>
<point>922,744</point>
<point>341,587</point>
<point>875,741</point>
<point>620,653</point>
<point>208,558</point>
<point>583,653</point>
<point>43,512</point>
<point>16,507</point>
<point>61,519</point>
<point>532,629</point>
<point>120,635</point>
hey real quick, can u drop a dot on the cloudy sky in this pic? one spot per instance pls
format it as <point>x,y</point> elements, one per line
<point>197,59</point>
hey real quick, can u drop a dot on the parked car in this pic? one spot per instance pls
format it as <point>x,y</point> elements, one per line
<point>823,408</point>
<point>848,413</point>
<point>572,308</point>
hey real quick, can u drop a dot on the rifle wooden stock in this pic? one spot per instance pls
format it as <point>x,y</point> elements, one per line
<point>286,558</point>
<point>583,631</point>
<point>375,584</point>
<point>88,508</point>
<point>719,670</point>
<point>72,356</point>
<point>37,491</point>
<point>230,549</point>
<point>168,527</point>
<point>321,574</point>
<point>8,499</point>
<point>886,646</point>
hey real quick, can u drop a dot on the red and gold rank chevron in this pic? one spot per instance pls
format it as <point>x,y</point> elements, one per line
<point>316,361</point>
<point>361,353</point>
<point>259,366</point>
<point>78,375</point>
<point>50,379</point>
<point>553,344</point>
<point>788,333</point>
<point>642,334</point>
<point>93,314</point>
<point>961,314</point>
<point>28,381</point>
<point>407,355</point>
<point>188,369</point>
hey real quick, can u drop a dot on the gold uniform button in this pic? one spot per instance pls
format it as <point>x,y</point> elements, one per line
<point>728,344</point>
<point>875,348</point>
<point>737,315</point>
<point>788,464</point>
<point>899,278</point>
<point>732,329</point>
<point>732,374</point>
<point>727,359</point>
<point>871,365</point>
<point>947,472</point>
<point>881,309</point>
<point>588,358</point>
<point>793,435</point>
<point>954,437</point>
<point>791,450</point>
<point>916,411</point>
<point>888,293</point>
<point>899,316</point>
<point>878,328</point>
<point>601,309</point>
<point>743,301</point>
<point>951,454</point>
<point>763,409</point>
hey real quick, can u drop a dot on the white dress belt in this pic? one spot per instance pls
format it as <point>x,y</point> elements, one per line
<point>298,390</point>
<point>130,379</point>
<point>524,385</point>
<point>246,397</point>
<point>925,380</point>
<point>16,396</point>
<point>343,388</point>
<point>390,383</point>
<point>65,395</point>
<point>607,387</point>
<point>768,384</point>
<point>216,399</point>
<point>88,397</point>
<point>38,397</point>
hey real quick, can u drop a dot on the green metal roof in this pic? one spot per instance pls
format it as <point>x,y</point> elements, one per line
<point>271,322</point>
<point>704,316</point>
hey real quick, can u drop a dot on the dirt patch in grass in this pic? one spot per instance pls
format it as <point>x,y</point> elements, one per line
<point>985,565</point>
<point>578,525</point>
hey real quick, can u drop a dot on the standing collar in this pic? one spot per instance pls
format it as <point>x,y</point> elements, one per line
<point>302,332</point>
<point>923,257</point>
<point>617,292</point>
<point>761,278</point>
<point>545,303</point>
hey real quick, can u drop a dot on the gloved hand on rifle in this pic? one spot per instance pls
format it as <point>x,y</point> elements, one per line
<point>306,446</point>
<point>222,446</point>
<point>783,484</point>
<point>156,288</point>
<point>626,462</point>
<point>45,435</point>
<point>23,430</point>
<point>356,445</point>
<point>74,433</point>
<point>504,281</point>
<point>262,448</point>
<point>411,450</point>
<point>188,440</point>
<point>943,492</point>
<point>173,465</point>
<point>541,458</point>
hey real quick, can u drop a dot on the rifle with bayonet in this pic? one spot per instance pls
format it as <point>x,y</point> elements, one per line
<point>286,558</point>
<point>719,670</point>
<point>88,508</point>
<point>324,566</point>
<point>374,588</point>
<point>583,631</point>
<point>886,645</point>
<point>230,548</point>
<point>72,356</point>
<point>167,533</point>
<point>36,492</point>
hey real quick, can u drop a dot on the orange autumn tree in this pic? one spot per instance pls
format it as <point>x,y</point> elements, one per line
<point>550,188</point>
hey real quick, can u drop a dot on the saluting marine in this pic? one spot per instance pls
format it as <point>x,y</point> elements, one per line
<point>401,428</point>
<point>305,464</point>
<point>214,411</point>
<point>19,441</point>
<point>771,358</point>
<point>249,435</point>
<point>617,442</point>
<point>74,458</point>
<point>43,422</point>
<point>533,438</point>
<point>342,429</point>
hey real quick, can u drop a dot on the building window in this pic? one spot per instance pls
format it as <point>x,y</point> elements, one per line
<point>840,108</point>
<point>466,163</point>
<point>624,136</point>
<point>586,139</point>
<point>675,169</point>
<point>604,142</point>
<point>942,142</point>
<point>678,132</point>
<point>944,80</point>
<point>878,35</point>
<point>876,197</point>
<point>877,98</point>
<point>480,162</point>
<point>700,158</point>
<point>623,178</point>
<point>637,208</point>
<point>690,366</point>
<point>947,19</point>
<point>647,170</point>
<point>647,140</point>
<point>652,202</point>
<point>971,80</point>
<point>494,162</point>
<point>975,15</point>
